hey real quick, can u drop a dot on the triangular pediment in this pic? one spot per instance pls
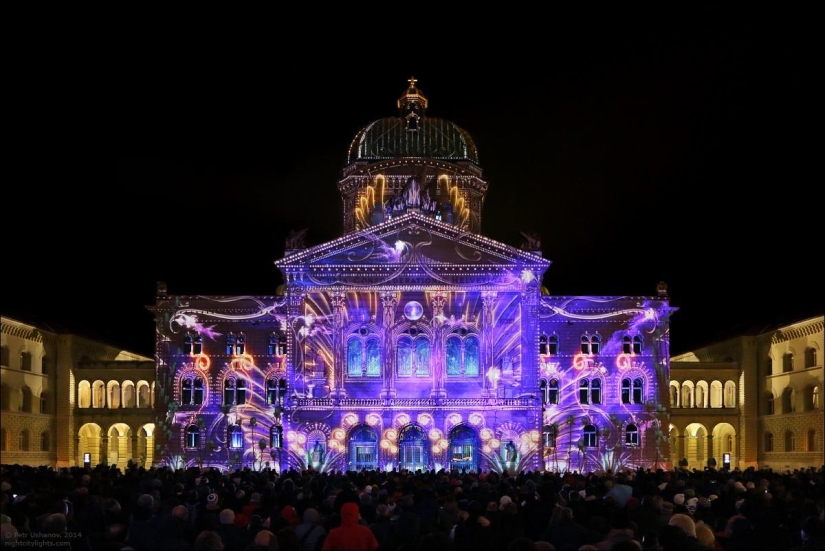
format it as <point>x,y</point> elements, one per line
<point>411,244</point>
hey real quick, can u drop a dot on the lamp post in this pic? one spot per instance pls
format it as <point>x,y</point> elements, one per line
<point>239,456</point>
<point>253,422</point>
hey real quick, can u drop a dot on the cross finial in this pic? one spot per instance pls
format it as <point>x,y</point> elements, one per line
<point>412,81</point>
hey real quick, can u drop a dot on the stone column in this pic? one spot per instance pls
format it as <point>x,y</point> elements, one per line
<point>437,359</point>
<point>487,358</point>
<point>389,301</point>
<point>339,351</point>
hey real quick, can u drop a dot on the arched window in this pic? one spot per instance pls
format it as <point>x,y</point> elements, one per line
<point>584,391</point>
<point>4,356</point>
<point>271,391</point>
<point>45,441</point>
<point>591,344</point>
<point>768,442</point>
<point>193,436</point>
<point>627,345</point>
<point>590,391</point>
<point>769,404</point>
<point>730,394</point>
<point>240,392</point>
<point>354,355</point>
<point>26,361</point>
<point>188,339</point>
<point>240,344</point>
<point>197,398</point>
<point>230,344</point>
<point>789,441</point>
<point>816,398</point>
<point>590,436</point>
<point>637,345</point>
<point>632,435</point>
<point>596,391</point>
<point>24,440</point>
<point>235,437</point>
<point>25,399</point>
<point>787,363</point>
<point>810,357</point>
<point>3,440</point>
<point>553,345</point>
<point>229,392</point>
<point>462,356</point>
<point>471,357</point>
<point>192,391</point>
<point>373,357</point>
<point>810,440</point>
<point>638,390</point>
<point>543,345</point>
<point>553,392</point>
<point>674,395</point>
<point>186,391</point>
<point>44,402</point>
<point>197,345</point>
<point>626,389</point>
<point>787,401</point>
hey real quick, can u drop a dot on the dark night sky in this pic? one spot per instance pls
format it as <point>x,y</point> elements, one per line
<point>639,153</point>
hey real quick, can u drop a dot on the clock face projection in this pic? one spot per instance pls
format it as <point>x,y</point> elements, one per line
<point>413,310</point>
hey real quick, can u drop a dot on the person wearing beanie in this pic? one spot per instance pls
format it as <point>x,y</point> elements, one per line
<point>350,535</point>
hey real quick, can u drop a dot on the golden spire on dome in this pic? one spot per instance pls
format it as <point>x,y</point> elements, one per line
<point>412,99</point>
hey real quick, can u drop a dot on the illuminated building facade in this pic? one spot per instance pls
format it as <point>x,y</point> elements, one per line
<point>63,395</point>
<point>412,341</point>
<point>756,397</point>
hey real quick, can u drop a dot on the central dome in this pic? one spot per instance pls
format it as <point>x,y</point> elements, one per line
<point>412,134</point>
<point>412,162</point>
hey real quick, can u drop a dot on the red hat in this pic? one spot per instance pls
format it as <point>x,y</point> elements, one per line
<point>291,515</point>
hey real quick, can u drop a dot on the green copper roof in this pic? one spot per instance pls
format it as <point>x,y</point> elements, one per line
<point>433,138</point>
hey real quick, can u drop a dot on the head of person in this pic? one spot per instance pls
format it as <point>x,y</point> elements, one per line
<point>685,523</point>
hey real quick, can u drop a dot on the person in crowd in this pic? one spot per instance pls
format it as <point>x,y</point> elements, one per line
<point>351,535</point>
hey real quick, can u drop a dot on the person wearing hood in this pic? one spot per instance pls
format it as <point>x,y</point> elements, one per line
<point>351,535</point>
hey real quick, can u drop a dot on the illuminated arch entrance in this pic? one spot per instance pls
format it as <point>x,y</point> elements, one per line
<point>363,448</point>
<point>464,446</point>
<point>89,439</point>
<point>412,448</point>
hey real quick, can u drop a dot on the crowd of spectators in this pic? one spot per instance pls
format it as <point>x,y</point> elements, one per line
<point>160,509</point>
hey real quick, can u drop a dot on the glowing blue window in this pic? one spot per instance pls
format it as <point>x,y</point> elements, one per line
<point>471,362</point>
<point>404,357</point>
<point>193,436</point>
<point>373,358</point>
<point>422,357</point>
<point>453,357</point>
<point>235,437</point>
<point>354,358</point>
